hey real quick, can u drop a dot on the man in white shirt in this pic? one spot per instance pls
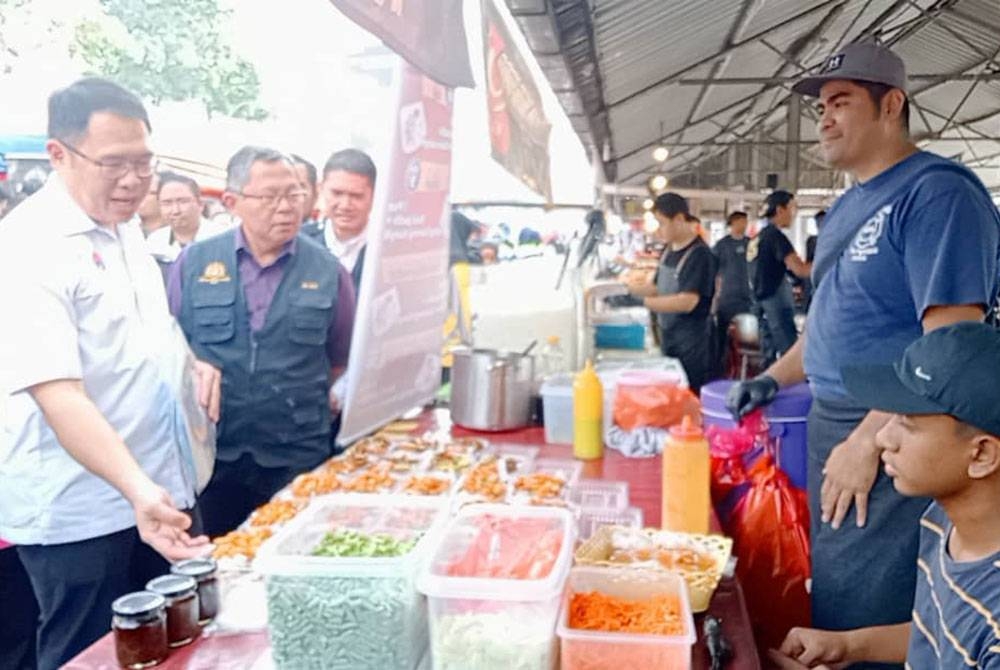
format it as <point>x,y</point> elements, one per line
<point>348,190</point>
<point>90,459</point>
<point>180,204</point>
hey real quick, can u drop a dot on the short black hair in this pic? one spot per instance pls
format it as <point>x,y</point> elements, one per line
<point>70,108</point>
<point>174,178</point>
<point>877,92</point>
<point>777,199</point>
<point>310,168</point>
<point>735,215</point>
<point>672,204</point>
<point>354,161</point>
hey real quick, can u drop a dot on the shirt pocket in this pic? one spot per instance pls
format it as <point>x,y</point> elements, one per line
<point>214,315</point>
<point>310,318</point>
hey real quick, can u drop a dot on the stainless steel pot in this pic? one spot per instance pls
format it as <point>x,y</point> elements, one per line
<point>490,389</point>
<point>747,330</point>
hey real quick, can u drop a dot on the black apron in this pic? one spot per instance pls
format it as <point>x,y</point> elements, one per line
<point>688,340</point>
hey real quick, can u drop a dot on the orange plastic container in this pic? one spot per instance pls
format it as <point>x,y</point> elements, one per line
<point>686,495</point>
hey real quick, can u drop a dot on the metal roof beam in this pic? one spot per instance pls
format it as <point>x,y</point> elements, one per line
<point>968,93</point>
<point>743,81</point>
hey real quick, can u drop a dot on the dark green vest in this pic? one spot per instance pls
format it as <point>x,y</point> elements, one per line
<point>275,382</point>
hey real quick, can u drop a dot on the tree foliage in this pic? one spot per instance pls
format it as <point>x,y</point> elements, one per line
<point>170,50</point>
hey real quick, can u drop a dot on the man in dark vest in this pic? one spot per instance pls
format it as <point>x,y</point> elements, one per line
<point>348,189</point>
<point>274,311</point>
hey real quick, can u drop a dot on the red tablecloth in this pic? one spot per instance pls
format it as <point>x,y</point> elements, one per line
<point>241,652</point>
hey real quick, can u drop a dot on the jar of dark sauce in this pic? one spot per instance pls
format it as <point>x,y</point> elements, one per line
<point>182,607</point>
<point>139,623</point>
<point>203,570</point>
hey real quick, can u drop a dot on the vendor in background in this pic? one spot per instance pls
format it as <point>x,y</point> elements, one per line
<point>770,255</point>
<point>348,194</point>
<point>682,289</point>
<point>150,217</point>
<point>180,205</point>
<point>309,180</point>
<point>630,242</point>
<point>274,311</point>
<point>91,466</point>
<point>732,286</point>
<point>488,252</point>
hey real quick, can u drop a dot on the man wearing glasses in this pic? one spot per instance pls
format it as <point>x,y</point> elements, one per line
<point>91,468</point>
<point>274,311</point>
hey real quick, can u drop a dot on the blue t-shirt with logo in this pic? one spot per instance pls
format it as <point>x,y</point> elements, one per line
<point>956,606</point>
<point>927,234</point>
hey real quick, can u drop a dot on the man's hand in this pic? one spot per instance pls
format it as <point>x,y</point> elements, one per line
<point>745,397</point>
<point>209,388</point>
<point>163,527</point>
<point>334,401</point>
<point>812,648</point>
<point>850,473</point>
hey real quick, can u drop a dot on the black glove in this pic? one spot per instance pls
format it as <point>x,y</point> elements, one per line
<point>745,397</point>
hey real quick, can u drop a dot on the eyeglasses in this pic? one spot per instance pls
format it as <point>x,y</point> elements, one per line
<point>271,200</point>
<point>116,168</point>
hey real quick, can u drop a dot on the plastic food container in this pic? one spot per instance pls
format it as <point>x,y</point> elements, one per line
<point>352,611</point>
<point>557,405</point>
<point>599,494</point>
<point>592,519</point>
<point>594,650</point>
<point>569,469</point>
<point>494,586</point>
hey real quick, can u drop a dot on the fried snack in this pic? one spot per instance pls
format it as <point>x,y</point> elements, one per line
<point>427,486</point>
<point>275,512</point>
<point>541,485</point>
<point>347,463</point>
<point>681,559</point>
<point>373,481</point>
<point>240,543</point>
<point>484,480</point>
<point>315,483</point>
<point>371,446</point>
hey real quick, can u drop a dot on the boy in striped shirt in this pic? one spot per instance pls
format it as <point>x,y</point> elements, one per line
<point>943,442</point>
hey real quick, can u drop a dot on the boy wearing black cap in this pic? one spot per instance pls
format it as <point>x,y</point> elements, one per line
<point>770,255</point>
<point>681,293</point>
<point>943,441</point>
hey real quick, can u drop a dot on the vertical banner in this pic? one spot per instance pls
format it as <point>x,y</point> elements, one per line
<point>519,130</point>
<point>395,362</point>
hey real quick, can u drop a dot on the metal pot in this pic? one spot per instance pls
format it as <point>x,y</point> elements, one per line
<point>747,330</point>
<point>490,389</point>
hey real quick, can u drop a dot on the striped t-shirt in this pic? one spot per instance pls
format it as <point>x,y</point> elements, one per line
<point>956,612</point>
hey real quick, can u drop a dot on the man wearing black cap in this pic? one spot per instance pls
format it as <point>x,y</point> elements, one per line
<point>770,256</point>
<point>943,442</point>
<point>681,294</point>
<point>912,247</point>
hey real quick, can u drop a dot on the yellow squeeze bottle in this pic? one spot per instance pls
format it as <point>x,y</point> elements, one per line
<point>686,480</point>
<point>588,414</point>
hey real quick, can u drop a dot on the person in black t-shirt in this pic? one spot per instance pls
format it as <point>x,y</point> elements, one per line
<point>732,286</point>
<point>770,255</point>
<point>681,293</point>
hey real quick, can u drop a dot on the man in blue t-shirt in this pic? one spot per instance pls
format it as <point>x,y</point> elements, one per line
<point>913,246</point>
<point>943,441</point>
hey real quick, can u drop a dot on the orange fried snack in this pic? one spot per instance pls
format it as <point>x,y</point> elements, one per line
<point>658,615</point>
<point>349,462</point>
<point>484,480</point>
<point>541,485</point>
<point>681,559</point>
<point>274,512</point>
<point>240,543</point>
<point>314,483</point>
<point>427,486</point>
<point>372,481</point>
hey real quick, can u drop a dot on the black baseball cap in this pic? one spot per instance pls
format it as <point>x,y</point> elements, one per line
<point>861,61</point>
<point>672,204</point>
<point>953,370</point>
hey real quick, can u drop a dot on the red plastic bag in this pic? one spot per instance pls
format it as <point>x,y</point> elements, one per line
<point>770,531</point>
<point>654,405</point>
<point>733,451</point>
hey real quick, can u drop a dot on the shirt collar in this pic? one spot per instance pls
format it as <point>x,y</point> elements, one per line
<point>73,220</point>
<point>288,249</point>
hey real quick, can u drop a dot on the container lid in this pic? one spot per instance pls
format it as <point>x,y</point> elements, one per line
<point>558,384</point>
<point>792,402</point>
<point>686,430</point>
<point>194,567</point>
<point>648,378</point>
<point>171,585</point>
<point>502,552</point>
<point>140,603</point>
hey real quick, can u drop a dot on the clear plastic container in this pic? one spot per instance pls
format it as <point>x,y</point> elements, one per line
<point>557,405</point>
<point>569,469</point>
<point>350,612</point>
<point>594,650</point>
<point>599,494</point>
<point>494,586</point>
<point>592,519</point>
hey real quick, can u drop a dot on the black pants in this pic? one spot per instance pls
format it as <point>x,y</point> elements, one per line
<point>19,621</point>
<point>75,584</point>
<point>694,352</point>
<point>237,488</point>
<point>778,326</point>
<point>860,576</point>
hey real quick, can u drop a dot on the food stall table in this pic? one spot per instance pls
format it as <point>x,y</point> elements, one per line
<point>251,651</point>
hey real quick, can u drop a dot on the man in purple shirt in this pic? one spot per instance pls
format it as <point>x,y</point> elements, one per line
<point>274,311</point>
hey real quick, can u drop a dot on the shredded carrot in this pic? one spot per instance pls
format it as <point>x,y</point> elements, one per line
<point>658,615</point>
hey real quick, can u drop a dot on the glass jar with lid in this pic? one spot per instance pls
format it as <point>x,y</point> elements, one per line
<point>182,607</point>
<point>203,570</point>
<point>139,624</point>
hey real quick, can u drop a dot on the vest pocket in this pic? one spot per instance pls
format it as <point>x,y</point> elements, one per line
<point>214,324</point>
<point>310,319</point>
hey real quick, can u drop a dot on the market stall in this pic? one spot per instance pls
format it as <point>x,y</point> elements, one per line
<point>218,648</point>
